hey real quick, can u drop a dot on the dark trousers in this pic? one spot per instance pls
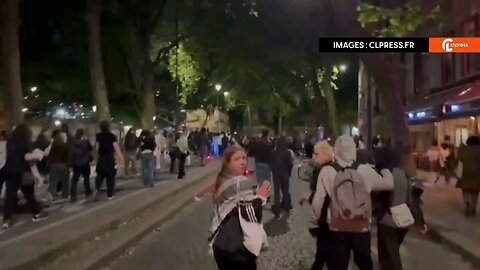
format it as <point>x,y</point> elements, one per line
<point>321,253</point>
<point>83,171</point>
<point>389,241</point>
<point>2,179</point>
<point>281,185</point>
<point>13,184</point>
<point>340,244</point>
<point>240,262</point>
<point>181,165</point>
<point>59,173</point>
<point>110,177</point>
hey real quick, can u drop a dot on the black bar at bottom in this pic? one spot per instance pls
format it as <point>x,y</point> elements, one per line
<point>372,45</point>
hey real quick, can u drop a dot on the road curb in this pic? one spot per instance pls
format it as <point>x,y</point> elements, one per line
<point>50,245</point>
<point>436,233</point>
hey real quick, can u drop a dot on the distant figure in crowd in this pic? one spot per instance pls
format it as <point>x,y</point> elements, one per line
<point>108,149</point>
<point>18,175</point>
<point>147,157</point>
<point>81,157</point>
<point>131,149</point>
<point>468,172</point>
<point>282,165</point>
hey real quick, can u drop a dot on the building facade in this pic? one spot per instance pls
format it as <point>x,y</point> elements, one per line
<point>442,91</point>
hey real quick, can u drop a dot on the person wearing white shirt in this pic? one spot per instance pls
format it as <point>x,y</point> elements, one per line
<point>182,144</point>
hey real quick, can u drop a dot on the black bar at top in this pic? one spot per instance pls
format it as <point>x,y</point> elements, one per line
<point>372,45</point>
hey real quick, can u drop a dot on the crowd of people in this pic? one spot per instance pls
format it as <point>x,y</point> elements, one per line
<point>62,160</point>
<point>351,186</point>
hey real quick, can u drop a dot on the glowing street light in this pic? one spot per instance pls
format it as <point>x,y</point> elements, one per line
<point>226,93</point>
<point>57,123</point>
<point>24,109</point>
<point>33,89</point>
<point>342,67</point>
<point>218,87</point>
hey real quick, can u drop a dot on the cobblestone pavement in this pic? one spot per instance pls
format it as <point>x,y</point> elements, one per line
<point>181,244</point>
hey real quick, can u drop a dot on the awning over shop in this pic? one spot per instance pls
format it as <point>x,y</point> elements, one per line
<point>460,93</point>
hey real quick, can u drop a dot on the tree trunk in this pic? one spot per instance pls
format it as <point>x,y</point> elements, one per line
<point>330,101</point>
<point>148,99</point>
<point>280,124</point>
<point>388,81</point>
<point>97,78</point>
<point>11,62</point>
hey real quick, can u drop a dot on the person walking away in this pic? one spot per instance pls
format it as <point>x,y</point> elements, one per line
<point>263,158</point>
<point>236,234</point>
<point>108,149</point>
<point>309,148</point>
<point>81,157</point>
<point>392,231</point>
<point>448,149</point>
<point>225,142</point>
<point>202,145</point>
<point>131,149</point>
<point>174,153</point>
<point>282,165</point>
<point>3,157</point>
<point>182,145</point>
<point>160,141</point>
<point>58,160</point>
<point>18,175</point>
<point>147,158</point>
<point>322,156</point>
<point>469,174</point>
<point>437,157</point>
<point>349,230</point>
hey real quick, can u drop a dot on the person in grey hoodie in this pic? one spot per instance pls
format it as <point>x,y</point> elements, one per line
<point>282,164</point>
<point>342,243</point>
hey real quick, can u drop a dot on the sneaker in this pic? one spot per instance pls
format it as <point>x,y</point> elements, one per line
<point>40,216</point>
<point>7,224</point>
<point>111,198</point>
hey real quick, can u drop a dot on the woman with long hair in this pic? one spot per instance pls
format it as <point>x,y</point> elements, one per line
<point>237,234</point>
<point>18,175</point>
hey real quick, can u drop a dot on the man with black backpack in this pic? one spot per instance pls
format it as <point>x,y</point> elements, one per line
<point>347,186</point>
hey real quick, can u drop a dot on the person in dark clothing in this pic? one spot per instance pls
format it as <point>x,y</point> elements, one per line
<point>203,145</point>
<point>263,158</point>
<point>225,142</point>
<point>309,148</point>
<point>81,156</point>
<point>389,236</point>
<point>131,149</point>
<point>107,147</point>
<point>17,168</point>
<point>449,160</point>
<point>58,160</point>
<point>42,143</point>
<point>282,165</point>
<point>147,158</point>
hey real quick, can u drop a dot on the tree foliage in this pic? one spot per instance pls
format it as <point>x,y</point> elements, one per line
<point>397,22</point>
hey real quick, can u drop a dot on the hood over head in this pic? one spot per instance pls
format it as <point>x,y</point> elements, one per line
<point>345,150</point>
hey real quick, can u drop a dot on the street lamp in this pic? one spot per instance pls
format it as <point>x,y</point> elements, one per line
<point>342,67</point>
<point>226,93</point>
<point>218,87</point>
<point>33,89</point>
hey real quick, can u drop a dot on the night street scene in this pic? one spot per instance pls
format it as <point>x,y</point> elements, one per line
<point>239,134</point>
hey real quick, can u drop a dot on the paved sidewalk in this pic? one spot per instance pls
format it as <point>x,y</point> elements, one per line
<point>41,242</point>
<point>444,213</point>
